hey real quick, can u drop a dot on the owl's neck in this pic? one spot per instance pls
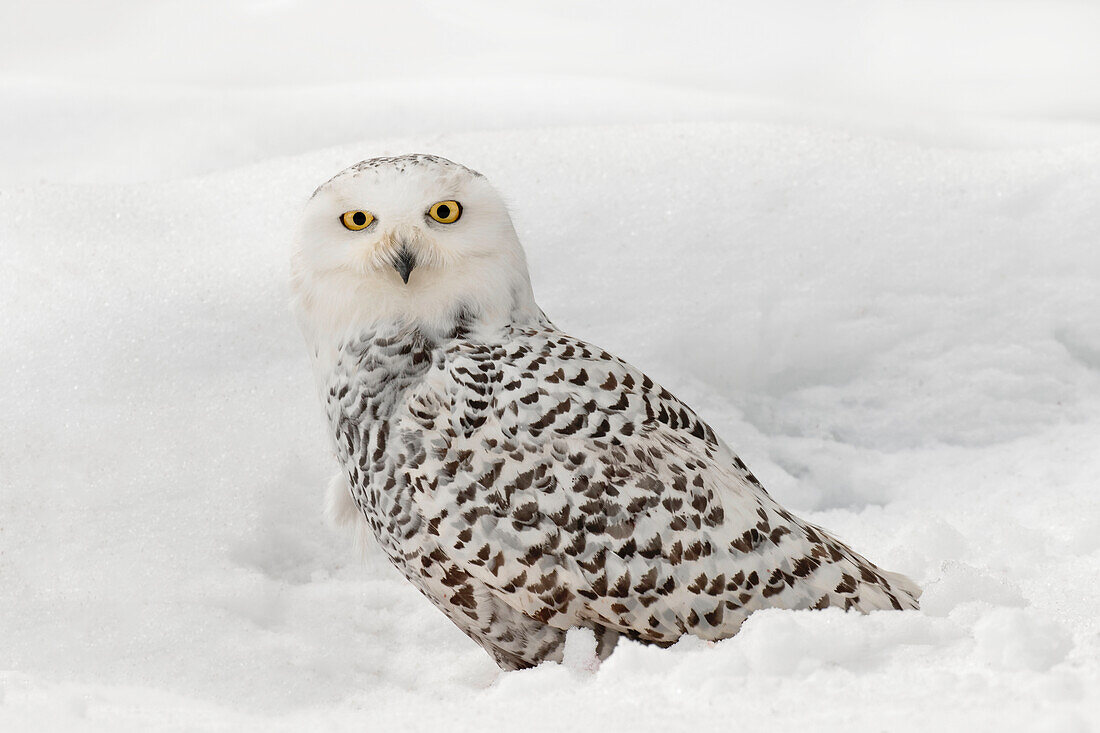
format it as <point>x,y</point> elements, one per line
<point>399,345</point>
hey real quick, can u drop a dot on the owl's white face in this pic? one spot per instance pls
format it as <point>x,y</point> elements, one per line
<point>415,240</point>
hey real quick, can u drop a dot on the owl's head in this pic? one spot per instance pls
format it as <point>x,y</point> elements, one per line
<point>414,240</point>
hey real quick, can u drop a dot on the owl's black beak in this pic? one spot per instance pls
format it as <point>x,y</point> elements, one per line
<point>404,262</point>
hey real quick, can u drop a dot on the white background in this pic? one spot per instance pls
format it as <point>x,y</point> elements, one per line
<point>862,239</point>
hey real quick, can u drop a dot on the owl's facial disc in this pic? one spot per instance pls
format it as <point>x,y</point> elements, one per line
<point>415,239</point>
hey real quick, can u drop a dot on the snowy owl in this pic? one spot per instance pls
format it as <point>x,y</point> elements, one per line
<point>526,481</point>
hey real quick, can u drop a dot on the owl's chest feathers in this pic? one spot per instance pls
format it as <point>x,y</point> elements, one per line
<point>365,391</point>
<point>373,371</point>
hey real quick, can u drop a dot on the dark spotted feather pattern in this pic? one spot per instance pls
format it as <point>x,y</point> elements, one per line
<point>527,482</point>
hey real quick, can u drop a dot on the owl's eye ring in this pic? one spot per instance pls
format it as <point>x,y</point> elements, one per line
<point>446,212</point>
<point>356,220</point>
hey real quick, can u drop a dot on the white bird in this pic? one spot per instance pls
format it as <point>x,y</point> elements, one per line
<point>523,480</point>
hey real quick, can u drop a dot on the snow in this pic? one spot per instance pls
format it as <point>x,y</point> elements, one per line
<point>862,242</point>
<point>579,655</point>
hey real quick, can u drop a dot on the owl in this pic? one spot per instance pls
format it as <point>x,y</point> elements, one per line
<point>526,481</point>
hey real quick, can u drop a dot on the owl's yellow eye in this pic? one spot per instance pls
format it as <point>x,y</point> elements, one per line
<point>445,212</point>
<point>356,220</point>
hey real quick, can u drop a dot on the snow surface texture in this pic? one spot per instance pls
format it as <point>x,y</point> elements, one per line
<point>863,243</point>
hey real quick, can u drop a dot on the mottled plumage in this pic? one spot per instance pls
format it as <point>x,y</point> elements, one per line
<point>525,481</point>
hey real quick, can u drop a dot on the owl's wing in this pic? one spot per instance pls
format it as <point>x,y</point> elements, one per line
<point>581,492</point>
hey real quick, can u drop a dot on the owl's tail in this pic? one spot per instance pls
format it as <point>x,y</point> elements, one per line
<point>851,581</point>
<point>905,584</point>
<point>878,589</point>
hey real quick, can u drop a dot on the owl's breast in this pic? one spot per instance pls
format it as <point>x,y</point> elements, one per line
<point>367,393</point>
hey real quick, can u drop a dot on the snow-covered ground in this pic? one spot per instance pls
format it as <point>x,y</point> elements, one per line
<point>862,240</point>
